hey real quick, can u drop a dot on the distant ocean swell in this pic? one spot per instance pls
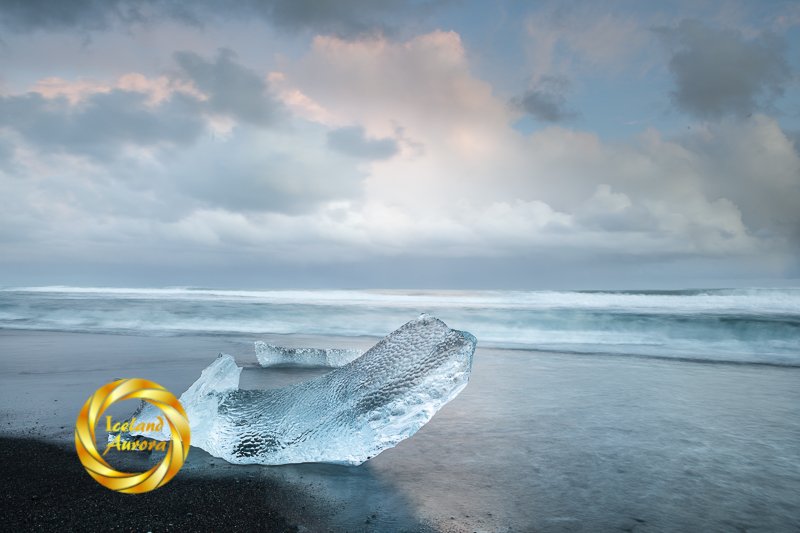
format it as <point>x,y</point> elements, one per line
<point>743,325</point>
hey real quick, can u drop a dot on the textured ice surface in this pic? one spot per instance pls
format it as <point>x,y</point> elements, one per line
<point>222,375</point>
<point>271,355</point>
<point>346,416</point>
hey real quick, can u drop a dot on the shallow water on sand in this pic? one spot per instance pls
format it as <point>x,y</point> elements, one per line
<point>536,441</point>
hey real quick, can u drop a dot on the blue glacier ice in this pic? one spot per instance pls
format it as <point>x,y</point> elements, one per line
<point>272,355</point>
<point>346,416</point>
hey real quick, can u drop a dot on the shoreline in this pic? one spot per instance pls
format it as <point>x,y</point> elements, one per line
<point>366,341</point>
<point>534,442</point>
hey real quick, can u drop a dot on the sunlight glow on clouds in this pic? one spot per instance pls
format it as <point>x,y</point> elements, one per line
<point>366,145</point>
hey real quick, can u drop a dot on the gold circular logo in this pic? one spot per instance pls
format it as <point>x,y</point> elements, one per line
<point>126,389</point>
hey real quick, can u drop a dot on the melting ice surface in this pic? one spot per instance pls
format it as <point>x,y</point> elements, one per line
<point>346,416</point>
<point>271,355</point>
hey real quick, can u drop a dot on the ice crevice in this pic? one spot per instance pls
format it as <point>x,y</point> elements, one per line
<point>346,416</point>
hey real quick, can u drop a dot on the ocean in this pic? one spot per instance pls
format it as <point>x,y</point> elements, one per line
<point>735,325</point>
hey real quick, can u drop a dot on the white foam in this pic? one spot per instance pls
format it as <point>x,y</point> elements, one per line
<point>742,324</point>
<point>763,301</point>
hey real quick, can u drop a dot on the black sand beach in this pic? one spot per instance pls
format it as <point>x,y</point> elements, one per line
<point>536,442</point>
<point>47,489</point>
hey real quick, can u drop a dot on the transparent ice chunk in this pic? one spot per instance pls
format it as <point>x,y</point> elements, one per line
<point>220,376</point>
<point>346,416</point>
<point>272,355</point>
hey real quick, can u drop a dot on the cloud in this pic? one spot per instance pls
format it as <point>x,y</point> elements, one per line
<point>100,119</point>
<point>157,89</point>
<point>154,149</point>
<point>423,84</point>
<point>719,72</point>
<point>581,36</point>
<point>491,190</point>
<point>795,138</point>
<point>344,17</point>
<point>381,151</point>
<point>80,14</point>
<point>265,170</point>
<point>547,101</point>
<point>352,141</point>
<point>6,152</point>
<point>754,164</point>
<point>230,88</point>
<point>101,123</point>
<point>131,197</point>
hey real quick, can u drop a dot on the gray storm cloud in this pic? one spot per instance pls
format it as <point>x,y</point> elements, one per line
<point>343,17</point>
<point>102,123</point>
<point>547,101</point>
<point>104,120</point>
<point>719,72</point>
<point>230,88</point>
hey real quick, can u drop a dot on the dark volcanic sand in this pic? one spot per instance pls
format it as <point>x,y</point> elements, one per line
<point>47,489</point>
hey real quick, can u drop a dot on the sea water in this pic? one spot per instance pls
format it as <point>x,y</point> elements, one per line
<point>737,325</point>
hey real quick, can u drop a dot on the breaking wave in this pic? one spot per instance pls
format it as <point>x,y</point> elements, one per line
<point>739,325</point>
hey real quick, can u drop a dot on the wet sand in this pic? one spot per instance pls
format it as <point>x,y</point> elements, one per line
<point>47,489</point>
<point>536,442</point>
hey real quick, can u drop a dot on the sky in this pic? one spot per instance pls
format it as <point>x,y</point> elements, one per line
<point>400,144</point>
